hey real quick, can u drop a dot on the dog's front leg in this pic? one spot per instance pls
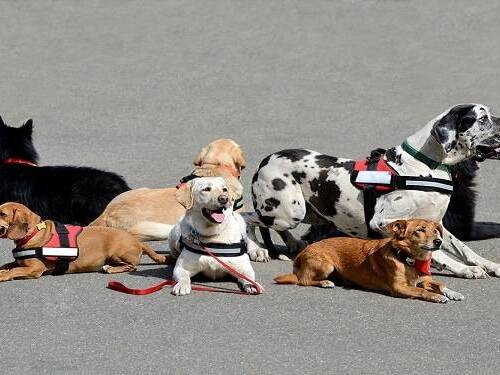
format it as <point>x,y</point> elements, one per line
<point>442,261</point>
<point>438,287</point>
<point>457,248</point>
<point>247,270</point>
<point>187,265</point>
<point>29,272</point>
<point>255,252</point>
<point>404,291</point>
<point>8,266</point>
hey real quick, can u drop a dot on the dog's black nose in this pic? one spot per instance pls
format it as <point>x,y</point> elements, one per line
<point>438,243</point>
<point>223,199</point>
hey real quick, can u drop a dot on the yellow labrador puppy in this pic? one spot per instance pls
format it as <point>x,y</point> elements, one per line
<point>149,214</point>
<point>211,223</point>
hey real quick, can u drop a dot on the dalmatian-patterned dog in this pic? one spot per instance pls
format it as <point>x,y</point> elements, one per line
<point>294,186</point>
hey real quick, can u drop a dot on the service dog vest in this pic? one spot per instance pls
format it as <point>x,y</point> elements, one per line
<point>62,248</point>
<point>374,176</point>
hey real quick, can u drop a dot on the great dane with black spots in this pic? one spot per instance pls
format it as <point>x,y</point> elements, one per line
<point>294,186</point>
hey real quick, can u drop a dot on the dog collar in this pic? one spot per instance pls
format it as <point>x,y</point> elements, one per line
<point>29,236</point>
<point>432,164</point>
<point>422,266</point>
<point>19,161</point>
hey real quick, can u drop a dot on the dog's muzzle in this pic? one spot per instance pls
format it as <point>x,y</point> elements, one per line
<point>216,216</point>
<point>489,149</point>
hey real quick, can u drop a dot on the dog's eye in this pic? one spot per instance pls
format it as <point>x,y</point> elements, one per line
<point>483,119</point>
<point>466,123</point>
<point>224,190</point>
<point>421,229</point>
<point>208,188</point>
<point>3,214</point>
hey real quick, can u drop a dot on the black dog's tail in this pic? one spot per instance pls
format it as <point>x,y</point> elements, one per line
<point>483,230</point>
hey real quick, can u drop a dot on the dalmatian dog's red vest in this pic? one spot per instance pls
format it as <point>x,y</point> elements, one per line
<point>62,248</point>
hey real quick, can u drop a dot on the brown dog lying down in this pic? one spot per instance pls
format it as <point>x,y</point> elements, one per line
<point>399,265</point>
<point>150,214</point>
<point>107,249</point>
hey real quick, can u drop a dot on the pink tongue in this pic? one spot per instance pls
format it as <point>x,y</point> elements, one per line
<point>217,216</point>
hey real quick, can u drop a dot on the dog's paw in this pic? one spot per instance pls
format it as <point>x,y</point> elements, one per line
<point>473,272</point>
<point>440,298</point>
<point>451,294</point>
<point>259,255</point>
<point>327,284</point>
<point>284,258</point>
<point>106,268</point>
<point>493,269</point>
<point>182,288</point>
<point>251,289</point>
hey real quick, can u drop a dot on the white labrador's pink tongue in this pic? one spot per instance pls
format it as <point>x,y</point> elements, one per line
<point>218,217</point>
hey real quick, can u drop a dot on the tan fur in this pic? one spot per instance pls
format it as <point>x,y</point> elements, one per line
<point>98,247</point>
<point>372,264</point>
<point>221,158</point>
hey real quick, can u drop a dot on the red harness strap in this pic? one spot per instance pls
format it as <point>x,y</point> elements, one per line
<point>19,161</point>
<point>380,166</point>
<point>119,287</point>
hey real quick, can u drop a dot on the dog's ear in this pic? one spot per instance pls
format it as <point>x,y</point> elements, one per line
<point>21,220</point>
<point>397,228</point>
<point>27,126</point>
<point>2,124</point>
<point>445,131</point>
<point>198,160</point>
<point>235,188</point>
<point>239,158</point>
<point>184,196</point>
<point>457,120</point>
<point>439,227</point>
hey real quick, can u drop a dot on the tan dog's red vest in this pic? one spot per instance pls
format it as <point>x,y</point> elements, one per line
<point>62,247</point>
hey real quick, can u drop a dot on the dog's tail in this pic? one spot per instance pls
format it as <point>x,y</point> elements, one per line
<point>289,278</point>
<point>158,258</point>
<point>150,231</point>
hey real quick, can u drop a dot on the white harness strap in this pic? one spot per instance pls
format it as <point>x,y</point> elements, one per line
<point>67,252</point>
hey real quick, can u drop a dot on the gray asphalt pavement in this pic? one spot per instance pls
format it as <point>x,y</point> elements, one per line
<point>137,87</point>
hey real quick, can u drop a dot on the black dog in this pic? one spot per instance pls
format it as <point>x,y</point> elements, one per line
<point>459,217</point>
<point>72,195</point>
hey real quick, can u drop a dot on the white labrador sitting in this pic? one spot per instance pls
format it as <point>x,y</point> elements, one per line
<point>210,222</point>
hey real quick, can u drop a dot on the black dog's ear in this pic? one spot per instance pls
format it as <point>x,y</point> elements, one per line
<point>445,131</point>
<point>28,126</point>
<point>1,121</point>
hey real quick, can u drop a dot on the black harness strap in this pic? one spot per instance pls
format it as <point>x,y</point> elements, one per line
<point>239,248</point>
<point>62,264</point>
<point>187,178</point>
<point>370,194</point>
<point>238,203</point>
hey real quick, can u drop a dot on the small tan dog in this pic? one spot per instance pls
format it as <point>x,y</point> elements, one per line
<point>107,249</point>
<point>149,214</point>
<point>399,265</point>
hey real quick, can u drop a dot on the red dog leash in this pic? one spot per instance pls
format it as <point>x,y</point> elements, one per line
<point>119,287</point>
